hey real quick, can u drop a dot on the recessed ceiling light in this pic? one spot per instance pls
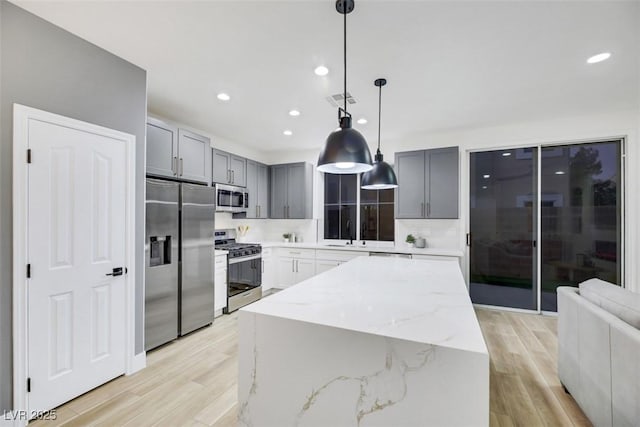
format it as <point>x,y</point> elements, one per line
<point>294,113</point>
<point>362,121</point>
<point>484,187</point>
<point>559,172</point>
<point>288,132</point>
<point>321,70</point>
<point>486,176</point>
<point>599,58</point>
<point>223,96</point>
<point>506,153</point>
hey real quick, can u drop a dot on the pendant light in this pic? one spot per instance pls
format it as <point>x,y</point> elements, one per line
<point>346,150</point>
<point>382,176</point>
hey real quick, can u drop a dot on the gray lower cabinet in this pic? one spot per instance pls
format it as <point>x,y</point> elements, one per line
<point>292,191</point>
<point>177,153</point>
<point>258,189</point>
<point>428,183</point>
<point>228,168</point>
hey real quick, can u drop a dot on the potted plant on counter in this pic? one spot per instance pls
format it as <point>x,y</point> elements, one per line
<point>286,237</point>
<point>411,241</point>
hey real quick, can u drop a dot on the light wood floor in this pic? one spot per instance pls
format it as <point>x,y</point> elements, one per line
<point>193,382</point>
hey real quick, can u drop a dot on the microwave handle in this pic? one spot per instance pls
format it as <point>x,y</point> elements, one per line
<point>246,200</point>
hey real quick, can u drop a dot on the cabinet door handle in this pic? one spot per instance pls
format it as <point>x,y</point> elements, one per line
<point>228,176</point>
<point>233,176</point>
<point>258,210</point>
<point>293,266</point>
<point>422,209</point>
<point>263,266</point>
<point>181,166</point>
<point>297,266</point>
<point>174,166</point>
<point>428,209</point>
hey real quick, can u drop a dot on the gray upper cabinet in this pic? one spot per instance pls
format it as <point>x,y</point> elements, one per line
<point>194,157</point>
<point>238,166</point>
<point>258,188</point>
<point>292,191</point>
<point>221,173</point>
<point>162,148</point>
<point>228,169</point>
<point>177,153</point>
<point>410,167</point>
<point>443,183</point>
<point>428,183</point>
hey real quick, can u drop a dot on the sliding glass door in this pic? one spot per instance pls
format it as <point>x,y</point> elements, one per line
<point>503,228</point>
<point>581,225</point>
<point>577,212</point>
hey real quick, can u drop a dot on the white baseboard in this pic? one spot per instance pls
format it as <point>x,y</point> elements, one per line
<point>138,363</point>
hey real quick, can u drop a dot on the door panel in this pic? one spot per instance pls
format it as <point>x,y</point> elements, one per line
<point>296,191</point>
<point>581,216</point>
<point>502,225</point>
<point>263,191</point>
<point>252,189</point>
<point>221,167</point>
<point>278,191</point>
<point>77,225</point>
<point>195,152</point>
<point>197,272</point>
<point>161,262</point>
<point>238,171</point>
<point>410,194</point>
<point>443,178</point>
<point>162,148</point>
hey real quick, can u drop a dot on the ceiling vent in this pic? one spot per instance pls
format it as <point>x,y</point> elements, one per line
<point>337,100</point>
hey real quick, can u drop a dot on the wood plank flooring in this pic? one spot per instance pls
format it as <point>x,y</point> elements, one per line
<point>193,381</point>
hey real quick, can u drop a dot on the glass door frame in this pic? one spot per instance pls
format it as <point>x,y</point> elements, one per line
<point>465,209</point>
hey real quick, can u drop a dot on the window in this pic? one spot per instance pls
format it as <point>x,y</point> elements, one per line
<point>353,213</point>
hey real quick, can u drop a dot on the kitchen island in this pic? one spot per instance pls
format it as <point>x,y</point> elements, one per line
<point>373,342</point>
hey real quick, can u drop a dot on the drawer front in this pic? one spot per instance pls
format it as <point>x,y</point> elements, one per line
<point>266,252</point>
<point>297,253</point>
<point>333,255</point>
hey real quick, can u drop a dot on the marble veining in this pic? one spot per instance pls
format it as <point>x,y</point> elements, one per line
<point>375,342</point>
<point>379,390</point>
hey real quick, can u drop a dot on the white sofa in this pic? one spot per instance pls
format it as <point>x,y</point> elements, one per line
<point>599,351</point>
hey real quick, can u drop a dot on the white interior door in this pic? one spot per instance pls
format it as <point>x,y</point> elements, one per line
<point>76,237</point>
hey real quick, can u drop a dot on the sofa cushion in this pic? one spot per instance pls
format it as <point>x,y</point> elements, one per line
<point>620,302</point>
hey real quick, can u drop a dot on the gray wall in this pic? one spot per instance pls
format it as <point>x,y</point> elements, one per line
<point>48,68</point>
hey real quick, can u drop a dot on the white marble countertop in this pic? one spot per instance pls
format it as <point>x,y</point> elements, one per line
<point>400,249</point>
<point>417,300</point>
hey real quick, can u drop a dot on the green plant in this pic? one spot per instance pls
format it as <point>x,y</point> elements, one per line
<point>286,235</point>
<point>410,238</point>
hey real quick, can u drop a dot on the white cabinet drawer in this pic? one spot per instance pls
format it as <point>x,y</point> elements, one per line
<point>297,253</point>
<point>267,252</point>
<point>333,255</point>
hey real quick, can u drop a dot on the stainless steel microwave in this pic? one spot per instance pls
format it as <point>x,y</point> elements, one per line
<point>231,199</point>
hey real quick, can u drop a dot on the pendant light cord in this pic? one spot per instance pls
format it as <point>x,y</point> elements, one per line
<point>345,61</point>
<point>379,115</point>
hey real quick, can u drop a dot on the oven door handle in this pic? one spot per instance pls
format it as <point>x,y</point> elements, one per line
<point>244,258</point>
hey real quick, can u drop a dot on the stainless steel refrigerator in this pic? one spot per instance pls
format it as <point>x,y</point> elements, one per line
<point>179,251</point>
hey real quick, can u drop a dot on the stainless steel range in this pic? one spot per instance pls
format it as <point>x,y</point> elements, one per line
<point>244,270</point>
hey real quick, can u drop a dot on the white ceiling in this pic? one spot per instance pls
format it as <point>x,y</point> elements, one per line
<point>448,64</point>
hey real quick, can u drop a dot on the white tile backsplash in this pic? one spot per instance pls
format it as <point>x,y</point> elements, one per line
<point>439,233</point>
<point>270,230</point>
